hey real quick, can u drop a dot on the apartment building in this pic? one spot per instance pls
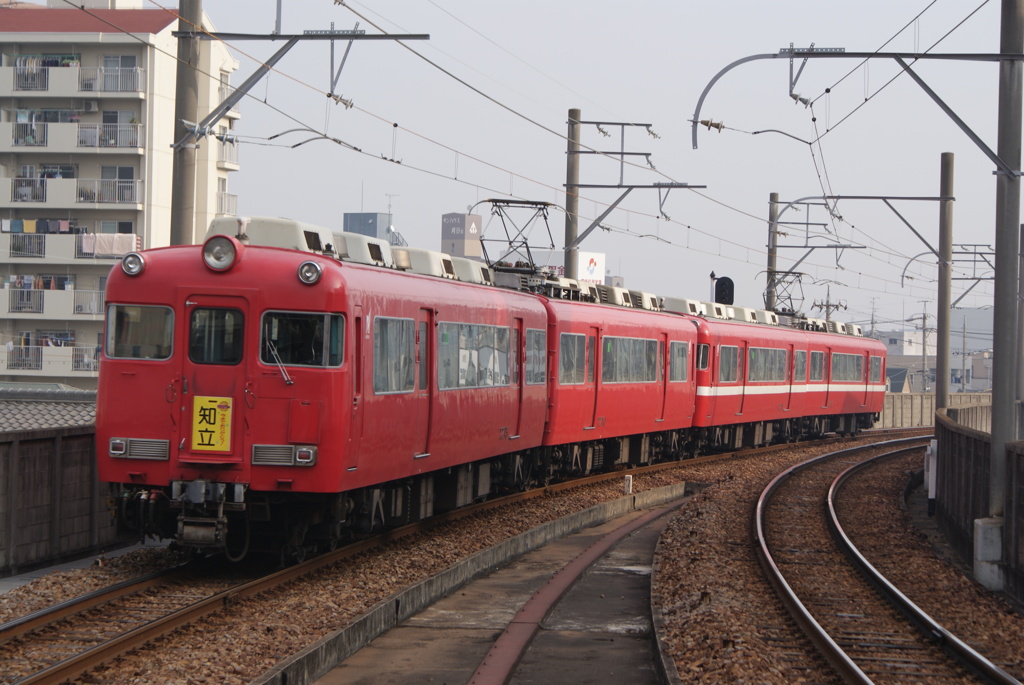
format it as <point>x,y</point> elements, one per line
<point>86,128</point>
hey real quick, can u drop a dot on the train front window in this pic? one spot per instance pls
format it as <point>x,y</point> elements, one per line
<point>215,336</point>
<point>302,339</point>
<point>137,332</point>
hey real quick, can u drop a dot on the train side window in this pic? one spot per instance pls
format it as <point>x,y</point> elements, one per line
<point>394,355</point>
<point>847,367</point>
<point>678,353</point>
<point>766,364</point>
<point>536,356</point>
<point>800,365</point>
<point>876,370</point>
<point>472,356</point>
<point>703,356</point>
<point>137,332</point>
<point>817,366</point>
<point>572,351</point>
<point>215,336</point>
<point>728,364</point>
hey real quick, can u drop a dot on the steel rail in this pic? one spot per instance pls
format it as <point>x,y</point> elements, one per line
<point>833,653</point>
<point>929,627</point>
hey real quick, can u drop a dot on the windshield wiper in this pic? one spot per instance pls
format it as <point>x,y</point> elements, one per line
<point>277,360</point>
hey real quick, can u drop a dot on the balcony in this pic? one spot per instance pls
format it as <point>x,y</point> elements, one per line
<point>51,361</point>
<point>72,80</point>
<point>227,204</point>
<point>66,248</point>
<point>227,157</point>
<point>225,92</point>
<point>56,193</point>
<point>70,138</point>
<point>111,80</point>
<point>52,304</point>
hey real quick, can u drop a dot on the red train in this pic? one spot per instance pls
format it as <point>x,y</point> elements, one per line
<point>282,387</point>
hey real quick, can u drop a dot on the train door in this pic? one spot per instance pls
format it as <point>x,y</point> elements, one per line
<point>790,371</point>
<point>741,373</point>
<point>592,338</point>
<point>662,374</point>
<point>424,385</point>
<point>517,360</point>
<point>865,378</point>
<point>358,370</point>
<point>828,377</point>
<point>214,377</point>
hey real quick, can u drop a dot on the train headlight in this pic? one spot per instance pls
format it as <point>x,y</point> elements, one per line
<point>133,264</point>
<point>310,272</point>
<point>221,252</point>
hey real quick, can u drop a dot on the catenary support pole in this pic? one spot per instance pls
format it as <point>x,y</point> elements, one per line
<point>186,98</point>
<point>572,190</point>
<point>773,251</point>
<point>945,282</point>
<point>1004,347</point>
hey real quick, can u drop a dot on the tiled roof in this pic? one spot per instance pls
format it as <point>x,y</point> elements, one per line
<point>23,415</point>
<point>35,406</point>
<point>22,20</point>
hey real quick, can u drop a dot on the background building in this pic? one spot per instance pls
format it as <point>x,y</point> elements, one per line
<point>460,235</point>
<point>86,126</point>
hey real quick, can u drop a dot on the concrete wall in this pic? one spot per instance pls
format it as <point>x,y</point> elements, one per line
<point>915,409</point>
<point>51,505</point>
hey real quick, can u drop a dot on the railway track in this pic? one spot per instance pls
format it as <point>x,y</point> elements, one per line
<point>74,638</point>
<point>826,584</point>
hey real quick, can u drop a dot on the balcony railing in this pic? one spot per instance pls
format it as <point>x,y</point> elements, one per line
<point>28,190</point>
<point>27,245</point>
<point>55,304</point>
<point>31,78</point>
<point>109,191</point>
<point>227,204</point>
<point>55,361</point>
<point>114,79</point>
<point>25,358</point>
<point>225,92</point>
<point>109,135</point>
<point>85,359</point>
<point>30,134</point>
<point>25,301</point>
<point>228,153</point>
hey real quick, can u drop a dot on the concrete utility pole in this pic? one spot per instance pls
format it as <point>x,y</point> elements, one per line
<point>1004,344</point>
<point>186,99</point>
<point>572,193</point>
<point>773,251</point>
<point>945,281</point>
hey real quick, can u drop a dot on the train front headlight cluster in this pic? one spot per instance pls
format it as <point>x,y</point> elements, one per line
<point>221,252</point>
<point>310,272</point>
<point>133,263</point>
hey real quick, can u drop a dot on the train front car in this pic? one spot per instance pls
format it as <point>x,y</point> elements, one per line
<point>205,348</point>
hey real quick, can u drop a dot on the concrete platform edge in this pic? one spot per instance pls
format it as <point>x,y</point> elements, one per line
<point>324,654</point>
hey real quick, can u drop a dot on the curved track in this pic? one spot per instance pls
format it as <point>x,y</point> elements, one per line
<point>77,636</point>
<point>817,574</point>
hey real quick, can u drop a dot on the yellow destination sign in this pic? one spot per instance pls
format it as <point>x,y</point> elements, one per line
<point>211,424</point>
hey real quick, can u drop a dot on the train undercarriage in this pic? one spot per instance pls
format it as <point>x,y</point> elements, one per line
<point>211,517</point>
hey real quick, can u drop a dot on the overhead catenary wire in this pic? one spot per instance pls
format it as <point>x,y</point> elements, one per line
<point>516,175</point>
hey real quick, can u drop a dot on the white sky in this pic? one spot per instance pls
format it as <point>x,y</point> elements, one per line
<point>644,61</point>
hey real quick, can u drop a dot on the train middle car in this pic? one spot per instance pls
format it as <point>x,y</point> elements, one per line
<point>284,388</point>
